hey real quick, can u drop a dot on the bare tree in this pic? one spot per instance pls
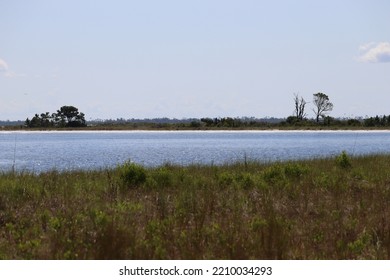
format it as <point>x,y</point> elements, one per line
<point>322,105</point>
<point>300,104</point>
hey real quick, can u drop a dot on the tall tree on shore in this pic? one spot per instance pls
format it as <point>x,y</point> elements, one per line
<point>300,104</point>
<point>70,116</point>
<point>322,105</point>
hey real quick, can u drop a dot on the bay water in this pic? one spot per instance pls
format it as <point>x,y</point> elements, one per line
<point>71,150</point>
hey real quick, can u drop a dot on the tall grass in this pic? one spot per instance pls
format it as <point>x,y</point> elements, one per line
<point>336,208</point>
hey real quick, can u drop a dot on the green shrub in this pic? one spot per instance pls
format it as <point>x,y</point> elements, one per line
<point>225,179</point>
<point>361,244</point>
<point>246,180</point>
<point>323,180</point>
<point>295,170</point>
<point>163,177</point>
<point>273,173</point>
<point>132,174</point>
<point>343,160</point>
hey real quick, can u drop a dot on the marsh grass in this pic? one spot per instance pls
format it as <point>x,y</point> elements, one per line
<point>336,208</point>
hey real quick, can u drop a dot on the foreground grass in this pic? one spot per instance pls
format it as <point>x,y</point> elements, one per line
<point>318,209</point>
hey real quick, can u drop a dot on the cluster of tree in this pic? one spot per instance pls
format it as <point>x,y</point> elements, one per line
<point>66,116</point>
<point>119,121</point>
<point>322,106</point>
<point>231,122</point>
<point>224,122</point>
<point>168,123</point>
<point>377,121</point>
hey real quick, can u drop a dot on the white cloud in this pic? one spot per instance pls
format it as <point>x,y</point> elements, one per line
<point>5,70</point>
<point>3,66</point>
<point>375,52</point>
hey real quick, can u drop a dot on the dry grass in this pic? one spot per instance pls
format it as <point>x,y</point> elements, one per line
<point>318,209</point>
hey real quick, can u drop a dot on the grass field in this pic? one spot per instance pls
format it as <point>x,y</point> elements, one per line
<point>335,208</point>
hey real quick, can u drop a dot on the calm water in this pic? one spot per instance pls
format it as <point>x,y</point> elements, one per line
<point>40,151</point>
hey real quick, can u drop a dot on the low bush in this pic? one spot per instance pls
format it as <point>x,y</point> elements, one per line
<point>295,170</point>
<point>132,174</point>
<point>343,160</point>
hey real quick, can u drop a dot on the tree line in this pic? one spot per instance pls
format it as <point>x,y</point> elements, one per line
<point>66,116</point>
<point>69,116</point>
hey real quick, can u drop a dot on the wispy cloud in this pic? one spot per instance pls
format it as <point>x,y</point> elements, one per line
<point>3,66</point>
<point>5,70</point>
<point>375,52</point>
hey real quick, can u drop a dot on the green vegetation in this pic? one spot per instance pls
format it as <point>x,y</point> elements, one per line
<point>336,208</point>
<point>291,123</point>
<point>66,116</point>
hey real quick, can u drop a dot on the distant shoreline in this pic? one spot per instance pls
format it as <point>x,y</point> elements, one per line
<point>222,129</point>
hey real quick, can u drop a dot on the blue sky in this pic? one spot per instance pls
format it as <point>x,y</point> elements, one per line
<point>204,58</point>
